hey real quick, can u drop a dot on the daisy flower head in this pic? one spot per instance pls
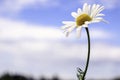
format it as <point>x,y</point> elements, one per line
<point>83,17</point>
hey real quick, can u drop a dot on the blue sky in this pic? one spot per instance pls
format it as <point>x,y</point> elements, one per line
<point>31,41</point>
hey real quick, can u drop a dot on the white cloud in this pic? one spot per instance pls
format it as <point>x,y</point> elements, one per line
<point>34,49</point>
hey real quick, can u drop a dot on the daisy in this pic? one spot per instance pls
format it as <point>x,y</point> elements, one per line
<point>83,17</point>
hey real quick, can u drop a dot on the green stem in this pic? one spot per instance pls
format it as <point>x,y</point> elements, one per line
<point>88,56</point>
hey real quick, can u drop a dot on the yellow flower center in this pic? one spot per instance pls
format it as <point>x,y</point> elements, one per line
<point>80,20</point>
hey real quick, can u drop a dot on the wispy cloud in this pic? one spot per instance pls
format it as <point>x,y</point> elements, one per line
<point>109,4</point>
<point>18,5</point>
<point>17,30</point>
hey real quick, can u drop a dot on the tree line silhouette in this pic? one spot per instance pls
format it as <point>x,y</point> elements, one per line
<point>8,76</point>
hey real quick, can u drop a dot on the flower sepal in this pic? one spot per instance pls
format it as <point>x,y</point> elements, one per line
<point>80,74</point>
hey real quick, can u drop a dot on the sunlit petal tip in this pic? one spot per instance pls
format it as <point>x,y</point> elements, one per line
<point>89,9</point>
<point>94,6</point>
<point>85,4</point>
<point>68,22</point>
<point>79,11</point>
<point>92,10</point>
<point>74,14</point>
<point>85,8</point>
<point>71,29</point>
<point>98,5</point>
<point>95,21</point>
<point>101,8</point>
<point>100,15</point>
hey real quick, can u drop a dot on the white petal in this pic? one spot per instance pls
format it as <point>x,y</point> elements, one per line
<point>95,21</point>
<point>71,28</point>
<point>79,11</point>
<point>78,31</point>
<point>100,15</point>
<point>89,9</point>
<point>95,11</point>
<point>85,25</point>
<point>101,8</point>
<point>97,6</point>
<point>74,14</point>
<point>85,8</point>
<point>92,9</point>
<point>98,19</point>
<point>68,22</point>
<point>87,22</point>
<point>98,10</point>
<point>65,27</point>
